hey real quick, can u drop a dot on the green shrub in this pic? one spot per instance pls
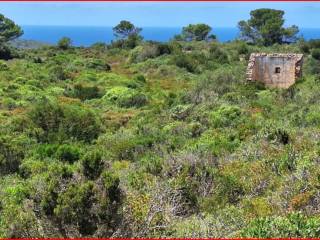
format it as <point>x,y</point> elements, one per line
<point>68,153</point>
<point>226,116</point>
<point>64,43</point>
<point>92,164</point>
<point>218,55</point>
<point>314,43</point>
<point>295,225</point>
<point>126,97</point>
<point>98,64</point>
<point>217,143</point>
<point>80,123</point>
<point>142,53</point>
<point>11,155</point>
<point>151,164</point>
<point>185,61</point>
<point>242,48</point>
<point>64,121</point>
<point>111,183</point>
<point>57,73</point>
<point>316,53</point>
<point>73,206</point>
<point>3,66</point>
<point>84,92</point>
<point>56,173</point>
<point>313,117</point>
<point>228,190</point>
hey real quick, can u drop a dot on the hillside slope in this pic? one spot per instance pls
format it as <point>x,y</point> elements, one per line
<point>164,140</point>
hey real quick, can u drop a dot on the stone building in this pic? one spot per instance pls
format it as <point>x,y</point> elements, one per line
<point>275,69</point>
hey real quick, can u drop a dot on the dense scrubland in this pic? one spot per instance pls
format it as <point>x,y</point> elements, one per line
<point>148,139</point>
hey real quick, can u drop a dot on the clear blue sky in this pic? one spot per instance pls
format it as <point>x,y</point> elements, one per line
<point>174,14</point>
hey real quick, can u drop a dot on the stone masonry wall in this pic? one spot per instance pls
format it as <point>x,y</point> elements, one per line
<point>276,69</point>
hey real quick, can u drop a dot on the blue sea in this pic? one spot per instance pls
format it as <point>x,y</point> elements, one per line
<point>86,36</point>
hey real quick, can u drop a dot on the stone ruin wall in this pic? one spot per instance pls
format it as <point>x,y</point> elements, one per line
<point>276,69</point>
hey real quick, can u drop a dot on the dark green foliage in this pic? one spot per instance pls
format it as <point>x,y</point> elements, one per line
<point>58,73</point>
<point>6,52</point>
<point>242,48</point>
<point>80,123</point>
<point>111,183</point>
<point>73,206</point>
<point>3,66</point>
<point>126,29</point>
<point>316,53</point>
<point>164,48</point>
<point>92,164</point>
<point>11,155</point>
<point>304,46</point>
<point>77,205</point>
<point>64,43</point>
<point>60,122</point>
<point>57,174</point>
<point>68,153</point>
<point>131,42</point>
<point>47,115</point>
<point>266,27</point>
<point>84,92</point>
<point>314,43</point>
<point>99,65</point>
<point>128,35</point>
<point>9,30</point>
<point>185,61</point>
<point>229,190</point>
<point>218,55</point>
<point>196,32</point>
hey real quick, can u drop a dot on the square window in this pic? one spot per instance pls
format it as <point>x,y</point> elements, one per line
<point>277,70</point>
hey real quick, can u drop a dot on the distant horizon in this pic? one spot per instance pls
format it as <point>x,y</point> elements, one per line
<point>88,35</point>
<point>154,14</point>
<point>88,26</point>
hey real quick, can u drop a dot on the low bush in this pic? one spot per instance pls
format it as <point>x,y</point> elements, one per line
<point>98,64</point>
<point>60,122</point>
<point>316,53</point>
<point>84,92</point>
<point>126,97</point>
<point>294,225</point>
<point>185,61</point>
<point>92,164</point>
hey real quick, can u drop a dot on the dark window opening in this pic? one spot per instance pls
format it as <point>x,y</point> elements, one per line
<point>277,70</point>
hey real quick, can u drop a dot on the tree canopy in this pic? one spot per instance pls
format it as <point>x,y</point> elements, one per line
<point>8,29</point>
<point>196,32</point>
<point>266,27</point>
<point>64,43</point>
<point>125,29</point>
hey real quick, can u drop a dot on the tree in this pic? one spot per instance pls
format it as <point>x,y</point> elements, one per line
<point>64,43</point>
<point>126,29</point>
<point>8,30</point>
<point>266,27</point>
<point>197,32</point>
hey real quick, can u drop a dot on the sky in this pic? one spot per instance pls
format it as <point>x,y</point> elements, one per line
<point>159,14</point>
